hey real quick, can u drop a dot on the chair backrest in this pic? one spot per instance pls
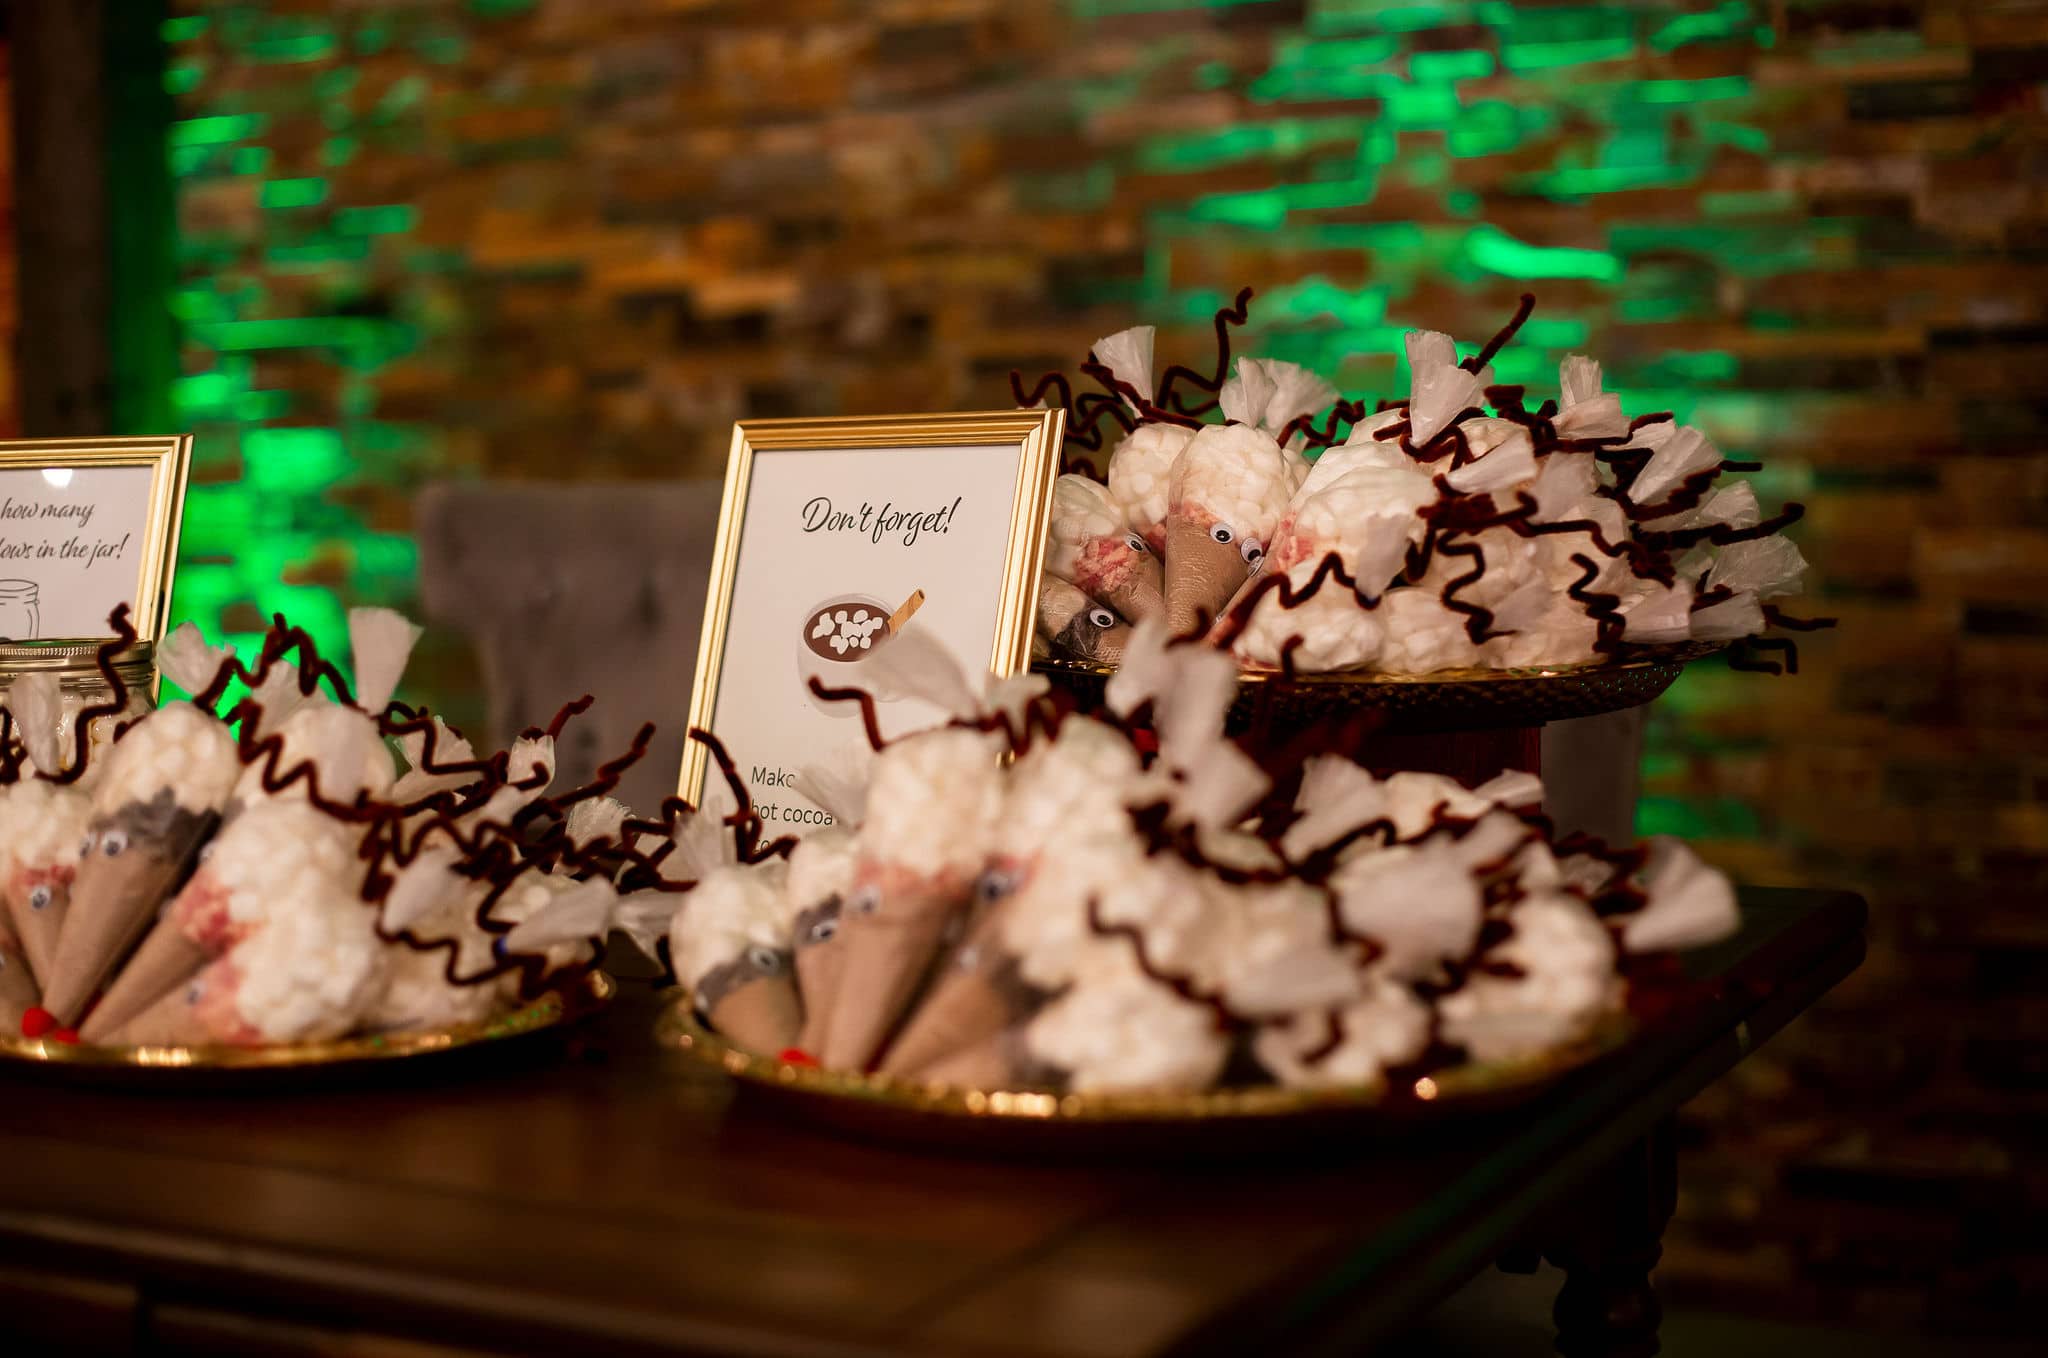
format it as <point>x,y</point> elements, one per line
<point>574,588</point>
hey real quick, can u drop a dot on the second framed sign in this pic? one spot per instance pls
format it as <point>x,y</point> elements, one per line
<point>87,525</point>
<point>833,535</point>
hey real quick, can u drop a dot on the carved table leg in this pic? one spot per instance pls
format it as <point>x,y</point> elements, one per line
<point>1608,1239</point>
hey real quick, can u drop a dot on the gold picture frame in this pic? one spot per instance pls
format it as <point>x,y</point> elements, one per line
<point>168,460</point>
<point>1034,438</point>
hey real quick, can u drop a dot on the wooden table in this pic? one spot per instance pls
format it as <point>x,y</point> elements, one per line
<point>618,1201</point>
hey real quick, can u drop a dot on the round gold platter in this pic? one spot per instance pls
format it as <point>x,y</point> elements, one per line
<point>184,1067</point>
<point>1034,1121</point>
<point>1446,700</point>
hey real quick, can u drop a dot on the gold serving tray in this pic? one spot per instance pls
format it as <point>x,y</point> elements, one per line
<point>1446,700</point>
<point>180,1065</point>
<point>1035,1121</point>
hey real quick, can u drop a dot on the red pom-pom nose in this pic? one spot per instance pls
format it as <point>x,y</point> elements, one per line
<point>797,1056</point>
<point>37,1021</point>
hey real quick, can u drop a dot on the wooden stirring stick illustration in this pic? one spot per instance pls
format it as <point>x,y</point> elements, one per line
<point>902,616</point>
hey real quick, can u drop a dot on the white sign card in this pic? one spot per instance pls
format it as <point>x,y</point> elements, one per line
<point>835,531</point>
<point>86,526</point>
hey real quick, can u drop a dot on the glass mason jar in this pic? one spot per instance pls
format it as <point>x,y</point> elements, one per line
<point>76,665</point>
<point>21,617</point>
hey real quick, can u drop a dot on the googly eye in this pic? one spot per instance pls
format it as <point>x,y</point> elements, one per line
<point>765,960</point>
<point>994,885</point>
<point>114,843</point>
<point>206,851</point>
<point>1222,533</point>
<point>866,901</point>
<point>87,845</point>
<point>40,897</point>
<point>195,992</point>
<point>1102,617</point>
<point>1251,551</point>
<point>824,931</point>
<point>1136,543</point>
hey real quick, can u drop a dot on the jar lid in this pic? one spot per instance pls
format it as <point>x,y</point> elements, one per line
<point>68,655</point>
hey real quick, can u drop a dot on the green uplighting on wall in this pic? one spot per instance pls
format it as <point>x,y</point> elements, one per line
<point>1414,156</point>
<point>1497,252</point>
<point>216,130</point>
<point>271,523</point>
<point>294,193</point>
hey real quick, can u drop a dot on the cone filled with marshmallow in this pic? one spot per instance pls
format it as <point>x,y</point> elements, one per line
<point>1102,913</point>
<point>734,954</point>
<point>255,881</point>
<point>1452,529</point>
<point>18,990</point>
<point>165,786</point>
<point>42,824</point>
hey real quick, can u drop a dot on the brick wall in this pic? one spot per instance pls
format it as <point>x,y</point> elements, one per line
<point>525,238</point>
<point>10,402</point>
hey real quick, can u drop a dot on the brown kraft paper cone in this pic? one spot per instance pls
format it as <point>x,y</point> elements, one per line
<point>761,1015</point>
<point>38,930</point>
<point>1201,575</point>
<point>962,1010</point>
<point>991,1063</point>
<point>887,956</point>
<point>18,992</point>
<point>1136,598</point>
<point>112,902</point>
<point>819,959</point>
<point>164,962</point>
<point>171,1020</point>
<point>1237,596</point>
<point>977,993</point>
<point>819,968</point>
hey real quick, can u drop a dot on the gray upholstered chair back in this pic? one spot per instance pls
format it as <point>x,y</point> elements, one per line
<point>567,589</point>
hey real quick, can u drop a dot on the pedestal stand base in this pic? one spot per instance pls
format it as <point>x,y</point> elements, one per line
<point>1471,757</point>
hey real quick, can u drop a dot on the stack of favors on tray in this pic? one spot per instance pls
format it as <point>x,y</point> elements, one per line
<point>1029,898</point>
<point>1462,527</point>
<point>276,875</point>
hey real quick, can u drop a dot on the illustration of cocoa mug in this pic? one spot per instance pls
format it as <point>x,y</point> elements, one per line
<point>841,630</point>
<point>21,617</point>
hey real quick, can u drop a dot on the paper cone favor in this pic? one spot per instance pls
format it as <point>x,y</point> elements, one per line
<point>173,1020</point>
<point>1090,545</point>
<point>42,825</point>
<point>994,1062</point>
<point>977,994</point>
<point>160,797</point>
<point>1201,575</point>
<point>889,950</point>
<point>140,857</point>
<point>18,993</point>
<point>820,961</point>
<point>166,960</point>
<point>753,1002</point>
<point>205,1010</point>
<point>762,1016</point>
<point>36,905</point>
